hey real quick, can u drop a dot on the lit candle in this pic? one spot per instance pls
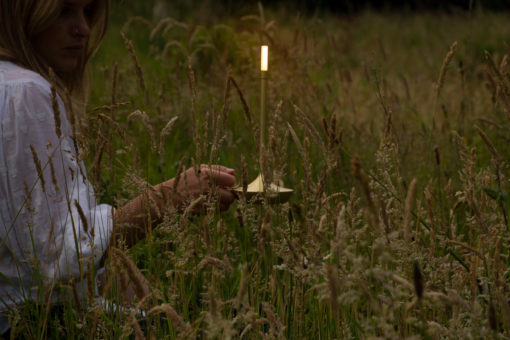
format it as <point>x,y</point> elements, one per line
<point>264,62</point>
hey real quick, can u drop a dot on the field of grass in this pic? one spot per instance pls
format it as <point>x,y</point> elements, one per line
<point>392,130</point>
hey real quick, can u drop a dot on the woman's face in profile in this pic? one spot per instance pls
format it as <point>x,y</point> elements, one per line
<point>64,42</point>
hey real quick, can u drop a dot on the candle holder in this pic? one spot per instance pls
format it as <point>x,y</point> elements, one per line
<point>259,187</point>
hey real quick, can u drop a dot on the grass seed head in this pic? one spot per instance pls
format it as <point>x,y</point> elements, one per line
<point>54,102</point>
<point>83,218</point>
<point>140,283</point>
<point>38,167</point>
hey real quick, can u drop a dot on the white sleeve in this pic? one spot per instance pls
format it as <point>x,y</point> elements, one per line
<point>56,221</point>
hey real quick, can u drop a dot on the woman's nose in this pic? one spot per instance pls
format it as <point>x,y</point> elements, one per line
<point>82,26</point>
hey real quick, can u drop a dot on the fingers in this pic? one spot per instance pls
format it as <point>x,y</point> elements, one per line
<point>209,178</point>
<point>217,168</point>
<point>220,175</point>
<point>226,198</point>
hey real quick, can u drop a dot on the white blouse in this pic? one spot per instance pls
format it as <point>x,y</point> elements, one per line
<point>42,235</point>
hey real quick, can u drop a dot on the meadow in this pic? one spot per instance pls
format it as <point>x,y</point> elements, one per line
<point>390,127</point>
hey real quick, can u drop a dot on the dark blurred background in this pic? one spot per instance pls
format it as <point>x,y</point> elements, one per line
<point>347,6</point>
<point>204,9</point>
<point>356,5</point>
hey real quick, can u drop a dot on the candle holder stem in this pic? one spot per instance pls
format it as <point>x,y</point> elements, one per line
<point>263,85</point>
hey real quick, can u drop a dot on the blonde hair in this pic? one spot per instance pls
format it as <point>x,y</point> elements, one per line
<point>22,20</point>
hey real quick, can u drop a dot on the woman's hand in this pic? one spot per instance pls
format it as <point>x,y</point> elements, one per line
<point>193,183</point>
<point>179,192</point>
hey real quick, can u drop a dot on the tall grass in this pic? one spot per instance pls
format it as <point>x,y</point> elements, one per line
<point>392,137</point>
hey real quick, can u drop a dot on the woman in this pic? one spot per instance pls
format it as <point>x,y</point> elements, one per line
<point>50,223</point>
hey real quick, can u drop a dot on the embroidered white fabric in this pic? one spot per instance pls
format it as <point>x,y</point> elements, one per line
<point>42,237</point>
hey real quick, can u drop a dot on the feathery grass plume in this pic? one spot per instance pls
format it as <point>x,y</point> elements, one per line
<point>123,277</point>
<point>503,87</point>
<point>490,146</point>
<point>325,126</point>
<point>246,108</point>
<point>310,128</point>
<point>83,218</point>
<point>306,160</point>
<point>135,19</point>
<point>164,132</point>
<point>384,217</point>
<point>470,191</point>
<point>178,175</point>
<point>140,283</point>
<point>503,65</point>
<point>451,299</point>
<point>110,108</point>
<point>28,198</point>
<point>132,321</point>
<point>442,72</point>
<point>504,307</point>
<point>408,206</point>
<point>192,80</point>
<point>333,137</point>
<point>150,201</point>
<point>91,287</point>
<point>54,102</point>
<point>120,130</point>
<point>362,178</point>
<point>430,214</point>
<point>38,167</point>
<point>265,231</point>
<point>476,252</point>
<point>177,320</point>
<point>273,145</point>
<point>167,23</point>
<point>323,224</point>
<point>192,206</point>
<point>53,175</point>
<point>213,261</point>
<point>98,159</point>
<point>139,335</point>
<point>241,299</point>
<point>226,97</point>
<point>76,296</point>
<point>217,327</point>
<point>492,86</point>
<point>497,264</point>
<point>275,324</point>
<point>138,68</point>
<point>334,287</point>
<point>146,122</point>
<point>51,241</point>
<point>402,281</point>
<point>418,281</point>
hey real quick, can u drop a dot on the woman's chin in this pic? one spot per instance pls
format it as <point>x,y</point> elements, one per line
<point>65,67</point>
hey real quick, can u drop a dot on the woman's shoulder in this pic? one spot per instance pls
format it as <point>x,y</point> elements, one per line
<point>12,74</point>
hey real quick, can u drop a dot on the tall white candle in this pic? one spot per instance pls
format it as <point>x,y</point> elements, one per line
<point>264,61</point>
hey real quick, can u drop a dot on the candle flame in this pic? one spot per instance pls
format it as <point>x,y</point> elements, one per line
<point>264,58</point>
